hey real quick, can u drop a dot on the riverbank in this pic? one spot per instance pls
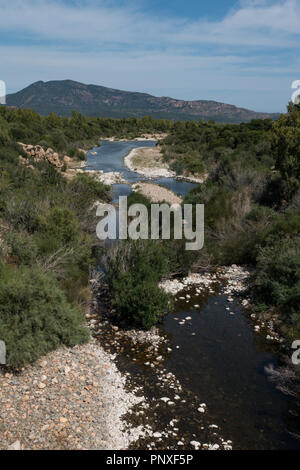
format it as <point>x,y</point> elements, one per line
<point>71,399</point>
<point>150,137</point>
<point>149,162</point>
<point>235,279</point>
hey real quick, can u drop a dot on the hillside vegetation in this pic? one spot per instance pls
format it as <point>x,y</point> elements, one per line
<point>252,205</point>
<point>46,240</point>
<point>64,96</point>
<point>252,202</point>
<point>252,216</point>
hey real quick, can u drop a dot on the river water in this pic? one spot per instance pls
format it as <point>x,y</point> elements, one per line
<point>216,357</point>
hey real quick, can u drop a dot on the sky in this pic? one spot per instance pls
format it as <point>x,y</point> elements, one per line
<point>242,52</point>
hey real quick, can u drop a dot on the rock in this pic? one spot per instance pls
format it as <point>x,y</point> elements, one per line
<point>41,385</point>
<point>214,447</point>
<point>15,446</point>
<point>195,444</point>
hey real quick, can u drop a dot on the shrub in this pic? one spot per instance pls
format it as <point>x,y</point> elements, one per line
<point>277,279</point>
<point>23,247</point>
<point>61,225</point>
<point>84,189</point>
<point>140,304</point>
<point>35,317</point>
<point>134,269</point>
<point>286,148</point>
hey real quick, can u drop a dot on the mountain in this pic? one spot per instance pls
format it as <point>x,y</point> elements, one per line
<point>64,96</point>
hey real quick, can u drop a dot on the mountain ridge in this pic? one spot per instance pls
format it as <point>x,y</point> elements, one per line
<point>64,96</point>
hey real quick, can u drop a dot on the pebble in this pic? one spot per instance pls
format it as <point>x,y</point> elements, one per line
<point>195,444</point>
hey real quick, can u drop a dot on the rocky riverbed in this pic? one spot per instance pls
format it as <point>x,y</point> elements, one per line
<point>78,398</point>
<point>70,399</point>
<point>234,283</point>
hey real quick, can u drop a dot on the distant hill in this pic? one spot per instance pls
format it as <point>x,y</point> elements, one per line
<point>62,97</point>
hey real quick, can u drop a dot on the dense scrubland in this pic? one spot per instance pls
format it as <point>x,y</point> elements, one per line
<point>252,216</point>
<point>252,204</point>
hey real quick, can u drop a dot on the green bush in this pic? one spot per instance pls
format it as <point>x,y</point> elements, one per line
<point>23,247</point>
<point>61,225</point>
<point>140,304</point>
<point>35,317</point>
<point>277,278</point>
<point>286,148</point>
<point>84,189</point>
<point>134,269</point>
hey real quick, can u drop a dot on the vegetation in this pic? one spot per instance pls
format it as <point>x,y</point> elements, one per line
<point>46,240</point>
<point>252,202</point>
<point>252,215</point>
<point>277,280</point>
<point>63,96</point>
<point>36,316</point>
<point>133,273</point>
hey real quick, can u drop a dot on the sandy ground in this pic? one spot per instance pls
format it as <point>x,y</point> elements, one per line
<point>112,177</point>
<point>153,137</point>
<point>147,161</point>
<point>156,193</point>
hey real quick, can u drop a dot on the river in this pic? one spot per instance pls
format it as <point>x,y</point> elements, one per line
<point>214,358</point>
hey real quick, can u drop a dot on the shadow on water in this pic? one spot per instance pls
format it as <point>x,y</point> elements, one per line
<point>216,357</point>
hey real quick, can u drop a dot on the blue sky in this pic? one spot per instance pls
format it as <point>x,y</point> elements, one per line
<point>243,52</point>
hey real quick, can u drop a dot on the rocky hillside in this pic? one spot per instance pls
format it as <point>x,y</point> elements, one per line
<point>62,97</point>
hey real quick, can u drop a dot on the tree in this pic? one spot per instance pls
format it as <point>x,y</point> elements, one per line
<point>286,146</point>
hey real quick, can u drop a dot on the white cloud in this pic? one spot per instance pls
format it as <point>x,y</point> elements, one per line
<point>243,54</point>
<point>255,23</point>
